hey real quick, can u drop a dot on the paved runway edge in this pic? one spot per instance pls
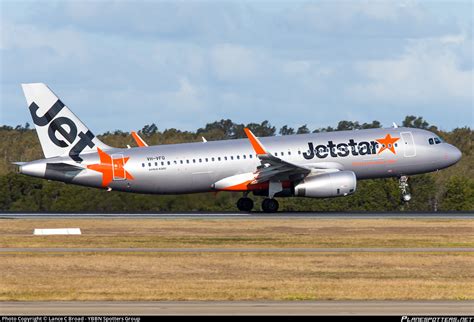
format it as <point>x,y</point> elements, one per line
<point>243,215</point>
<point>240,308</point>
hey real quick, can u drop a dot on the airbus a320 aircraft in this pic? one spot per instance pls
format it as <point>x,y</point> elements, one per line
<point>308,165</point>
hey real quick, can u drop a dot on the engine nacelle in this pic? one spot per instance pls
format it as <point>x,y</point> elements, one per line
<point>333,184</point>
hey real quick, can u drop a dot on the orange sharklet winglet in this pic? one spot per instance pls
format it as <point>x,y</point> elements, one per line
<point>257,146</point>
<point>138,139</point>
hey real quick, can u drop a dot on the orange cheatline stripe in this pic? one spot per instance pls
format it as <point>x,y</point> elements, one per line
<point>244,186</point>
<point>138,139</point>
<point>257,146</point>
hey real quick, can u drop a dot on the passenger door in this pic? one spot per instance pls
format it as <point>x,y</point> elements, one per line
<point>118,171</point>
<point>408,144</point>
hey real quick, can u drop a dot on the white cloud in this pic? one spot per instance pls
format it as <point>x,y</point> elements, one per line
<point>428,72</point>
<point>234,62</point>
<point>247,61</point>
<point>185,98</point>
<point>296,67</point>
<point>64,42</point>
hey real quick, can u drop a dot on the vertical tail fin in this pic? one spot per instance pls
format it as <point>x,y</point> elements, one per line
<point>60,132</point>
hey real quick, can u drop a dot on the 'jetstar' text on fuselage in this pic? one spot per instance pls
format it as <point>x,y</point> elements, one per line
<point>340,149</point>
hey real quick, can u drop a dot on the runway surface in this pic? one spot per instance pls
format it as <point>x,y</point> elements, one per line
<point>253,215</point>
<point>234,250</point>
<point>241,308</point>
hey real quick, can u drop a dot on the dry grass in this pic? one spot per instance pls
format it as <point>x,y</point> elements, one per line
<point>156,233</point>
<point>243,276</point>
<point>238,276</point>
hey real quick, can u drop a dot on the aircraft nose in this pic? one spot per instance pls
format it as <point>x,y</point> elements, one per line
<point>452,154</point>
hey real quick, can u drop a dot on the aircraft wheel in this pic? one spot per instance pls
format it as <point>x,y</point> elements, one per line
<point>270,205</point>
<point>406,197</point>
<point>245,204</point>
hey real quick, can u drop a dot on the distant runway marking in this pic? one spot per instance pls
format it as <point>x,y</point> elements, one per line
<point>239,308</point>
<point>234,250</point>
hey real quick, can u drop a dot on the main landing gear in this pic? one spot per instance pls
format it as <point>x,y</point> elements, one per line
<point>245,204</point>
<point>269,205</point>
<point>403,185</point>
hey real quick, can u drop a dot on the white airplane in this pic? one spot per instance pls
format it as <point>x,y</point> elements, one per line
<point>317,165</point>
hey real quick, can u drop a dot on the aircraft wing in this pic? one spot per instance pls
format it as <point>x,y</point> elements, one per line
<point>273,168</point>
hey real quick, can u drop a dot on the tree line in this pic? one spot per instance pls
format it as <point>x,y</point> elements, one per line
<point>451,189</point>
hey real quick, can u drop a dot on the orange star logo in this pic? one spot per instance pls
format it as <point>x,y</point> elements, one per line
<point>111,168</point>
<point>387,143</point>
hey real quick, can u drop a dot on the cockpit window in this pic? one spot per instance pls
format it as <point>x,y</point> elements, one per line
<point>431,141</point>
<point>437,140</point>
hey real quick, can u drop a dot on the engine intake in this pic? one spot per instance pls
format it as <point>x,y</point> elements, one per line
<point>333,184</point>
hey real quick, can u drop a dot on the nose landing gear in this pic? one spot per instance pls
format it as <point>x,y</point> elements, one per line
<point>403,185</point>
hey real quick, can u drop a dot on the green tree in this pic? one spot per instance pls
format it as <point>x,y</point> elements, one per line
<point>303,130</point>
<point>262,129</point>
<point>459,194</point>
<point>285,130</point>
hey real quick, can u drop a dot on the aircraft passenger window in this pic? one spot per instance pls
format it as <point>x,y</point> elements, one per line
<point>207,160</point>
<point>169,163</point>
<point>218,158</point>
<point>396,144</point>
<point>162,163</point>
<point>232,157</point>
<point>143,164</point>
<point>289,152</point>
<point>212,159</point>
<point>149,164</point>
<point>283,153</point>
<point>431,141</point>
<point>276,153</point>
<point>244,156</point>
<point>200,160</point>
<point>437,141</point>
<point>181,161</point>
<point>250,156</point>
<point>187,161</point>
<point>175,162</point>
<point>238,157</point>
<point>156,164</point>
<point>225,158</point>
<point>299,152</point>
<point>194,160</point>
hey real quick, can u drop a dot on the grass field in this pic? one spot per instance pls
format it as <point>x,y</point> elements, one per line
<point>238,276</point>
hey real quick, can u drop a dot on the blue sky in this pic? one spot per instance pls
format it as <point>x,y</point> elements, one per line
<point>120,65</point>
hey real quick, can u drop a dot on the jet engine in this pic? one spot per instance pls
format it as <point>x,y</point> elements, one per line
<point>333,184</point>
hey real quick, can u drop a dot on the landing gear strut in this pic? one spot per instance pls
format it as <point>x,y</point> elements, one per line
<point>245,204</point>
<point>270,205</point>
<point>403,185</point>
